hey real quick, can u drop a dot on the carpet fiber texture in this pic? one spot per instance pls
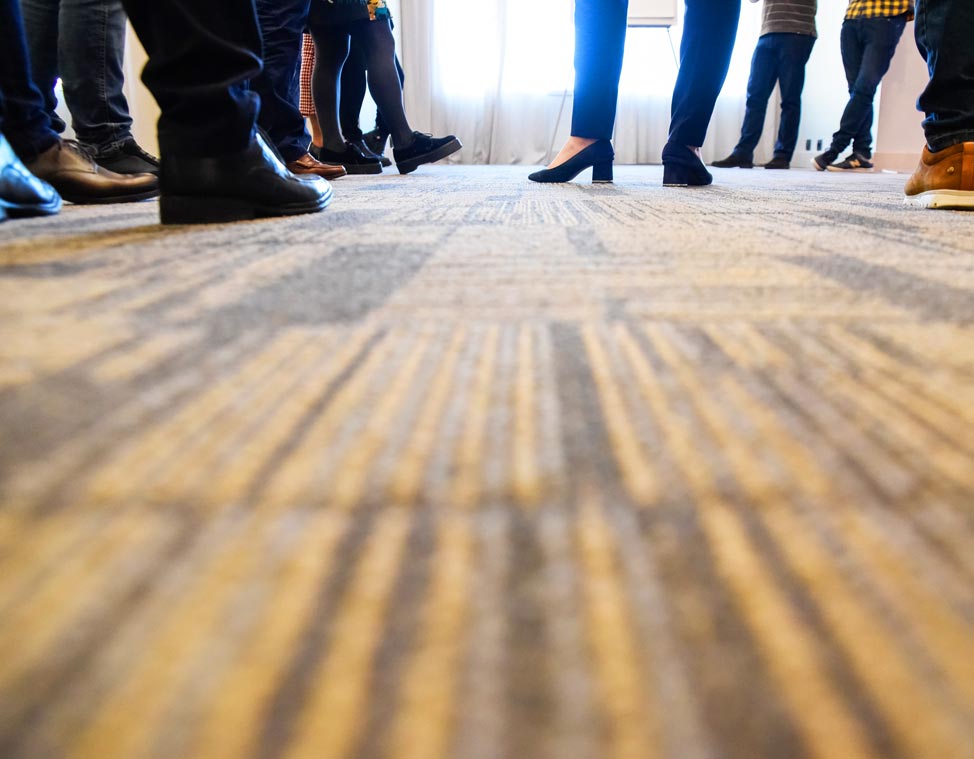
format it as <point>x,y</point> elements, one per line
<point>471,468</point>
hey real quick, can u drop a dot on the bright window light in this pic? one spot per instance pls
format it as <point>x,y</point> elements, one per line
<point>526,48</point>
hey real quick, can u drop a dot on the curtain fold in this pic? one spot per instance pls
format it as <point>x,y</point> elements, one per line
<point>497,73</point>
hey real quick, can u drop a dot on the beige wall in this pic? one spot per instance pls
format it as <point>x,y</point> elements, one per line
<point>899,136</point>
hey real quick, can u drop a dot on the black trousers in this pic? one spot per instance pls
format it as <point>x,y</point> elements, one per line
<point>201,54</point>
<point>709,31</point>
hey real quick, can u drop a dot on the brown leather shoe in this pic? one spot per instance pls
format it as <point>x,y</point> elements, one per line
<point>308,164</point>
<point>74,174</point>
<point>944,179</point>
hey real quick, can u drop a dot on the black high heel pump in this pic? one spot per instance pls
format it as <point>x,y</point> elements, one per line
<point>683,168</point>
<point>599,155</point>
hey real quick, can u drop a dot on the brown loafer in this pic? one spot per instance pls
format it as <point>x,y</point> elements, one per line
<point>70,170</point>
<point>308,164</point>
<point>944,179</point>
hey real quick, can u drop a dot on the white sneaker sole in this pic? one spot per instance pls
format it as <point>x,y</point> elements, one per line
<point>947,199</point>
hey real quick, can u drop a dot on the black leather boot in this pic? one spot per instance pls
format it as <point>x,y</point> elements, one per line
<point>246,185</point>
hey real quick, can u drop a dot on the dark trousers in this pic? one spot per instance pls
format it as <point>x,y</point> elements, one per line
<point>282,22</point>
<point>868,46</point>
<point>944,29</point>
<point>83,43</point>
<point>778,58</point>
<point>710,27</point>
<point>23,119</point>
<point>201,54</point>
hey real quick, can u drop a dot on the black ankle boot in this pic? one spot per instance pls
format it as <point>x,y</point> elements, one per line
<point>425,148</point>
<point>682,167</point>
<point>599,156</point>
<point>247,185</point>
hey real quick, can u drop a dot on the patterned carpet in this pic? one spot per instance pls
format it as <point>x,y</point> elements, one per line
<point>470,468</point>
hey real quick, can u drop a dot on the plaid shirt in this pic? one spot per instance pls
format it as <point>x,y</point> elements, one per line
<point>879,9</point>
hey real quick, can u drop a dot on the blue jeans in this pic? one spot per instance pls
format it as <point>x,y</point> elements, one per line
<point>23,119</point>
<point>943,35</point>
<point>709,31</point>
<point>83,43</point>
<point>778,58</point>
<point>282,23</point>
<point>868,45</point>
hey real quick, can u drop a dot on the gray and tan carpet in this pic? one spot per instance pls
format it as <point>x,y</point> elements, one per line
<point>469,468</point>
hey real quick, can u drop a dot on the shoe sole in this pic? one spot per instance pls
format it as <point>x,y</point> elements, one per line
<point>365,168</point>
<point>838,169</point>
<point>958,200</point>
<point>84,200</point>
<point>410,165</point>
<point>818,166</point>
<point>190,209</point>
<point>21,211</point>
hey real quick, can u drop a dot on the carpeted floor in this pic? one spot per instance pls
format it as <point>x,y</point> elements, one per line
<point>470,468</point>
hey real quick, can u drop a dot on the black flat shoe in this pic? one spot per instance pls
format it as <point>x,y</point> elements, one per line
<point>375,141</point>
<point>425,148</point>
<point>599,156</point>
<point>21,193</point>
<point>682,167</point>
<point>351,158</point>
<point>251,184</point>
<point>733,161</point>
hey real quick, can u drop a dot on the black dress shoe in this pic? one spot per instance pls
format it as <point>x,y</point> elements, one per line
<point>351,158</point>
<point>250,184</point>
<point>599,156</point>
<point>733,161</point>
<point>128,158</point>
<point>71,170</point>
<point>683,168</point>
<point>21,193</point>
<point>425,148</point>
<point>777,162</point>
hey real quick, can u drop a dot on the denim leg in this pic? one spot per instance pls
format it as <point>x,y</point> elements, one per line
<point>760,85</point>
<point>23,118</point>
<point>793,54</point>
<point>282,23</point>
<point>201,54</point>
<point>943,35</point>
<point>41,26</point>
<point>600,40</point>
<point>709,31</point>
<point>876,40</point>
<point>91,50</point>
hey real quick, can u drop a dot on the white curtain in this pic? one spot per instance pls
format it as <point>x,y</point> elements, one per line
<point>498,73</point>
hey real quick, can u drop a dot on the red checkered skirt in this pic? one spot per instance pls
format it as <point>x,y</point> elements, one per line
<point>307,104</point>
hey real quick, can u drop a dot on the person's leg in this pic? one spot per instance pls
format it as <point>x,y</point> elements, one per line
<point>760,85</point>
<point>331,50</point>
<point>353,85</point>
<point>943,35</point>
<point>945,176</point>
<point>282,23</point>
<point>794,52</point>
<point>41,27</point>
<point>600,39</point>
<point>214,166</point>
<point>709,31</point>
<point>91,51</point>
<point>26,123</point>
<point>381,127</point>
<point>379,49</point>
<point>878,39</point>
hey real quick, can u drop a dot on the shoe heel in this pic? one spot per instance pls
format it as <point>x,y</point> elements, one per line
<point>602,173</point>
<point>188,209</point>
<point>675,176</point>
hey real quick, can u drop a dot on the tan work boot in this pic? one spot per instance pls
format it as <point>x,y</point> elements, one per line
<point>944,179</point>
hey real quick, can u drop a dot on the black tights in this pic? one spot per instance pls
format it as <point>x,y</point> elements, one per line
<point>353,95</point>
<point>378,47</point>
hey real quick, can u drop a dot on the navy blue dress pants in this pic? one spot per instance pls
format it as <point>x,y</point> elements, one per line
<point>709,31</point>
